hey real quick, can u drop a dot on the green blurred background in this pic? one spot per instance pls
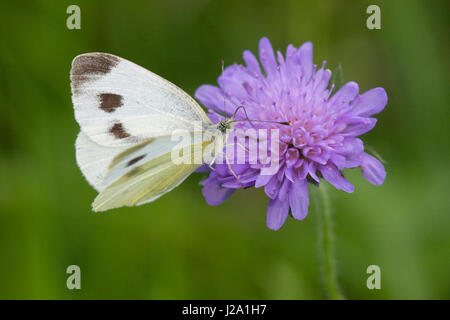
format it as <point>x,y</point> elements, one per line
<point>179,247</point>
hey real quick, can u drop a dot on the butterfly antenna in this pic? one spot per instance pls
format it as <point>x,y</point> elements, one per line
<point>232,171</point>
<point>246,115</point>
<point>223,89</point>
<point>251,121</point>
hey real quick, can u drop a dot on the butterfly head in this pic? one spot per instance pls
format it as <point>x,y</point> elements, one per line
<point>224,125</point>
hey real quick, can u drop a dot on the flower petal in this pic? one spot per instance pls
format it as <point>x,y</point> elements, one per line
<point>291,174</point>
<point>322,84</point>
<point>203,168</point>
<point>262,180</point>
<point>214,117</point>
<point>312,171</point>
<point>373,170</point>
<point>290,53</point>
<point>292,156</point>
<point>267,57</point>
<point>246,179</point>
<point>360,128</point>
<point>277,212</point>
<point>370,102</point>
<point>252,63</point>
<point>338,160</point>
<point>272,187</point>
<point>236,81</point>
<point>299,199</point>
<point>350,146</point>
<point>305,56</point>
<point>213,192</point>
<point>211,97</point>
<point>333,176</point>
<point>284,190</point>
<point>345,95</point>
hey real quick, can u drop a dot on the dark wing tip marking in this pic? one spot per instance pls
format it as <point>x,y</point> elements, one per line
<point>118,131</point>
<point>109,102</point>
<point>133,161</point>
<point>86,65</point>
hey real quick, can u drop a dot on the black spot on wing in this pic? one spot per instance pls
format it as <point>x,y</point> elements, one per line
<point>109,102</point>
<point>133,161</point>
<point>85,66</point>
<point>134,172</point>
<point>118,131</point>
<point>129,151</point>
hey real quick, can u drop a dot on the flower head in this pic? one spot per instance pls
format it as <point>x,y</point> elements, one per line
<point>319,140</point>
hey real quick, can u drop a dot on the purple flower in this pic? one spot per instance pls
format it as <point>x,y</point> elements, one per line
<point>321,137</point>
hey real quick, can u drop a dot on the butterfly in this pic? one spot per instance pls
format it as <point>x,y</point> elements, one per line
<point>127,117</point>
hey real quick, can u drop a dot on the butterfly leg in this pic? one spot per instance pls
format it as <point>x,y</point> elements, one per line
<point>211,163</point>
<point>237,144</point>
<point>227,161</point>
<point>232,171</point>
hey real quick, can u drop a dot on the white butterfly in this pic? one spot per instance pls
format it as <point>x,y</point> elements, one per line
<point>127,116</point>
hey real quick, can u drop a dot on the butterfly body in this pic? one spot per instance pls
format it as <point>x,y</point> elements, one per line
<point>224,125</point>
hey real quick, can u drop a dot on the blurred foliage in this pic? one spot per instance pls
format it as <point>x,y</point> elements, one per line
<point>179,247</point>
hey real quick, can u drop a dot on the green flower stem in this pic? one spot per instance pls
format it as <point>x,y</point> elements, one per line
<point>329,268</point>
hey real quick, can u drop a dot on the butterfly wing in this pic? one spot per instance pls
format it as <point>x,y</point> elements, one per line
<point>118,103</point>
<point>94,159</point>
<point>148,179</point>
